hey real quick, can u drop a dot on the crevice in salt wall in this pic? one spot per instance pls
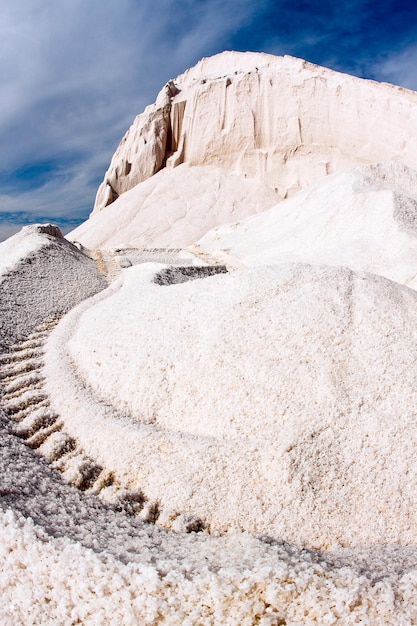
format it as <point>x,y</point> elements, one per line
<point>174,139</point>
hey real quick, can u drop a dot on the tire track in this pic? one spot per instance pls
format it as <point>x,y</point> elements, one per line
<point>32,419</point>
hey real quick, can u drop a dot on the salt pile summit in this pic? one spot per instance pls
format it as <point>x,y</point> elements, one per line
<point>225,379</point>
<point>246,124</point>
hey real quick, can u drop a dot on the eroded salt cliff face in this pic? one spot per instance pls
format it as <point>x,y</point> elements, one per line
<point>277,119</point>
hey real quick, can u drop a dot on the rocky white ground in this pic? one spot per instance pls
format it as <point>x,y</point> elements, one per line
<point>223,434</point>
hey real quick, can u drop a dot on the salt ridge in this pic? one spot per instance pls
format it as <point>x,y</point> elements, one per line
<point>362,218</point>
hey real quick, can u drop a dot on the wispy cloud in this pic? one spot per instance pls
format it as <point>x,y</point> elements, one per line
<point>353,37</point>
<point>400,67</point>
<point>75,73</point>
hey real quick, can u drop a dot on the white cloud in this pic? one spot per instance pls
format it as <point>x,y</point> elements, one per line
<point>75,73</point>
<point>400,68</point>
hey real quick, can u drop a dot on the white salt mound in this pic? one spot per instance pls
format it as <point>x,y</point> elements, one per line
<point>278,119</point>
<point>364,218</point>
<point>65,559</point>
<point>275,400</point>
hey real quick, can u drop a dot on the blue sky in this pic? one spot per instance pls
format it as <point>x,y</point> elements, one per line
<point>75,73</point>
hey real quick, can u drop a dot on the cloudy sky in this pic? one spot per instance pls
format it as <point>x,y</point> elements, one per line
<point>74,73</point>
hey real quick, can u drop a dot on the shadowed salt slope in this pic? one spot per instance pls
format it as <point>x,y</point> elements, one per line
<point>364,218</point>
<point>41,275</point>
<point>275,400</point>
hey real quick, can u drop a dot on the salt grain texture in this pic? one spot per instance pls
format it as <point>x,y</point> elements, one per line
<point>41,275</point>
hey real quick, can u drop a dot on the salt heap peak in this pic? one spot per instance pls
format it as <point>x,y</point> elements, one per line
<point>277,119</point>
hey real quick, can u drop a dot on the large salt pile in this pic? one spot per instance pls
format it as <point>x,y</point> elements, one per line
<point>66,558</point>
<point>189,445</point>
<point>275,122</point>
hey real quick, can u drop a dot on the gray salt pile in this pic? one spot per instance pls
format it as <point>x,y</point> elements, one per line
<point>41,275</point>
